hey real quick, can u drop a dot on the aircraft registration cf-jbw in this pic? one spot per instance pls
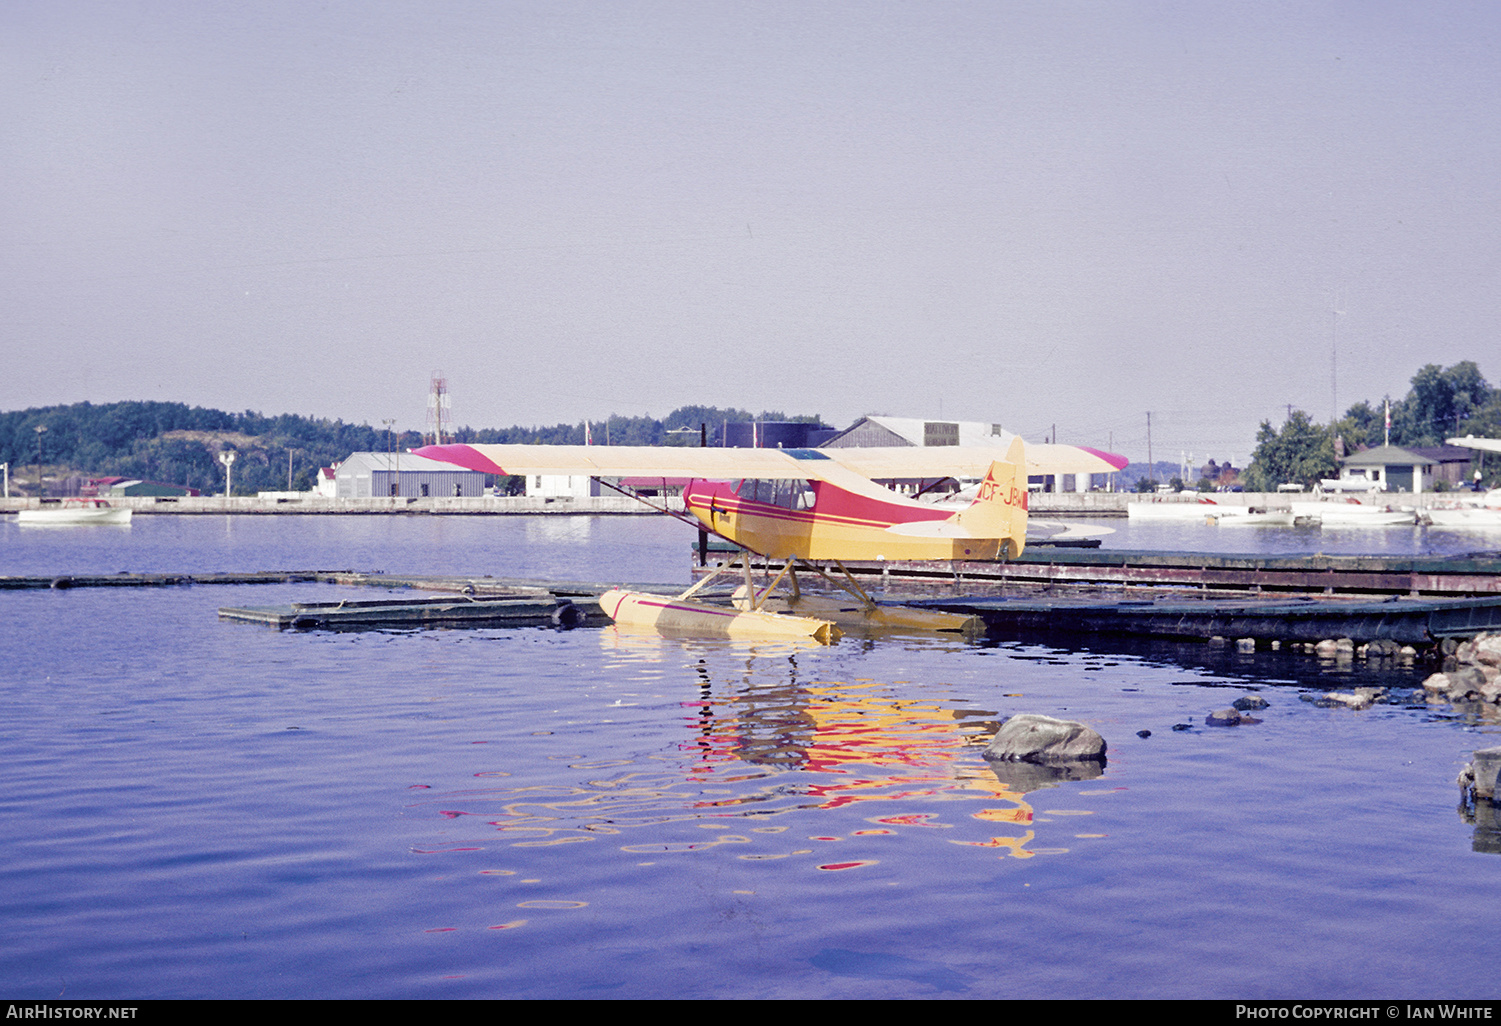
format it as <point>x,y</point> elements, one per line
<point>807,505</point>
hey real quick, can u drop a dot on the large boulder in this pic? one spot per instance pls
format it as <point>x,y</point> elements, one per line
<point>1043,739</point>
<point>1486,650</point>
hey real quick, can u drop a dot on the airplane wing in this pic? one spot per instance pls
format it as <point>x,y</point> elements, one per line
<point>833,465</point>
<point>634,461</point>
<point>1471,442</point>
<point>930,461</point>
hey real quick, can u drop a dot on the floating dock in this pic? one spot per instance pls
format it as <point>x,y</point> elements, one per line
<point>1417,601</point>
<point>1412,600</point>
<point>1206,573</point>
<point>129,580</point>
<point>538,609</point>
<point>1406,621</point>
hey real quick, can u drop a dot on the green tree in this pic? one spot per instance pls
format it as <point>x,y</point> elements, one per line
<point>1362,427</point>
<point>175,443</point>
<point>1302,453</point>
<point>1439,403</point>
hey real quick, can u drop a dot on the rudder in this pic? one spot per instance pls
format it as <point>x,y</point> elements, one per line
<point>1000,508</point>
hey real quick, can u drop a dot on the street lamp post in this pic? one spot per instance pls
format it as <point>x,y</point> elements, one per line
<point>40,428</point>
<point>227,458</point>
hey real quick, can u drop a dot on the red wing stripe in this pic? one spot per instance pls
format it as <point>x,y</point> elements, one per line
<point>462,455</point>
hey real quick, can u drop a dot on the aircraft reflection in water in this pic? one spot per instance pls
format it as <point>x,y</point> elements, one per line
<point>848,744</point>
<point>767,756</point>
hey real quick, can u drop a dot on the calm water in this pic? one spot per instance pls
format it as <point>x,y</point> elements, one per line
<point>197,808</point>
<point>1337,540</point>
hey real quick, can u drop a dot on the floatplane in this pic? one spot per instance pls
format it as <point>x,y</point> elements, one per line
<point>802,507</point>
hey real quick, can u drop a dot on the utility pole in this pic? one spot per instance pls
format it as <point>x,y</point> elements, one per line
<point>1151,467</point>
<point>388,423</point>
<point>1334,313</point>
<point>40,428</point>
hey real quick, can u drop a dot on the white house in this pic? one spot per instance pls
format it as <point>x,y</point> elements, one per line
<point>1392,468</point>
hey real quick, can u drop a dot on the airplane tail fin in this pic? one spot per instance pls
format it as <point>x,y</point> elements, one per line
<point>1000,509</point>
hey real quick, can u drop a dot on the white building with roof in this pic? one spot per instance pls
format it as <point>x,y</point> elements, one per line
<point>562,486</point>
<point>899,431</point>
<point>326,484</point>
<point>882,431</point>
<point>366,475</point>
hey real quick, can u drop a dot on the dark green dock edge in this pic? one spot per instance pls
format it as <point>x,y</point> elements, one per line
<point>538,609</point>
<point>1439,576</point>
<point>1407,621</point>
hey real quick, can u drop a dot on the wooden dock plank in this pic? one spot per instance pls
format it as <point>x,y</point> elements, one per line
<point>1211,572</point>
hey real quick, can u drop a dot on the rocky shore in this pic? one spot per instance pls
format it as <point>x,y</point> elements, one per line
<point>1472,672</point>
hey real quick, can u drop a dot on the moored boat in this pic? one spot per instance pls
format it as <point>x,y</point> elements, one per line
<point>75,511</point>
<point>1252,517</point>
<point>1353,513</point>
<point>1174,509</point>
<point>1484,514</point>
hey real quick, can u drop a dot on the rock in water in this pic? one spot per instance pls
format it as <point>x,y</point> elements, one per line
<point>1032,738</point>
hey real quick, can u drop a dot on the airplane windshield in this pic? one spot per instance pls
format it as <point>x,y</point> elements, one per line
<point>788,494</point>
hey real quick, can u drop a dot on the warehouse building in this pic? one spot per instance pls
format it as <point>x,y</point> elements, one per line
<point>366,475</point>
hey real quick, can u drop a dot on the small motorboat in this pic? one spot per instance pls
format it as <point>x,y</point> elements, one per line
<point>1484,514</point>
<point>1197,509</point>
<point>75,511</point>
<point>1251,516</point>
<point>1353,513</point>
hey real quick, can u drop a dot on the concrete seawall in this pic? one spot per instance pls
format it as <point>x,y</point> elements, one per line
<point>1113,504</point>
<point>1080,504</point>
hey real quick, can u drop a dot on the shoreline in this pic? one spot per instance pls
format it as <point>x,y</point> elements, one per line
<point>1049,504</point>
<point>318,506</point>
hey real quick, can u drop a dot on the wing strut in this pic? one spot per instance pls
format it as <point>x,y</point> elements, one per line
<point>628,493</point>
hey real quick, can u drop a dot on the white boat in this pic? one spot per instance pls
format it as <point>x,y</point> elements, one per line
<point>1483,514</point>
<point>75,511</point>
<point>1204,510</point>
<point>1177,509</point>
<point>1251,517</point>
<point>1352,513</point>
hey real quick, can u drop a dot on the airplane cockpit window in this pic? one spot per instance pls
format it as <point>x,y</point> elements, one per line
<point>788,494</point>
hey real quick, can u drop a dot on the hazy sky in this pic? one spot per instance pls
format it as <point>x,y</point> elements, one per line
<point>1035,213</point>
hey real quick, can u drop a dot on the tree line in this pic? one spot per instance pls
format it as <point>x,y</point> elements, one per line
<point>177,444</point>
<point>1442,403</point>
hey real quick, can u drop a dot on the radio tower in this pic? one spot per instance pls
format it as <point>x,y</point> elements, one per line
<point>438,414</point>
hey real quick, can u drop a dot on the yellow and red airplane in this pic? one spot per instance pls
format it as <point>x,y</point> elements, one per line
<point>808,505</point>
